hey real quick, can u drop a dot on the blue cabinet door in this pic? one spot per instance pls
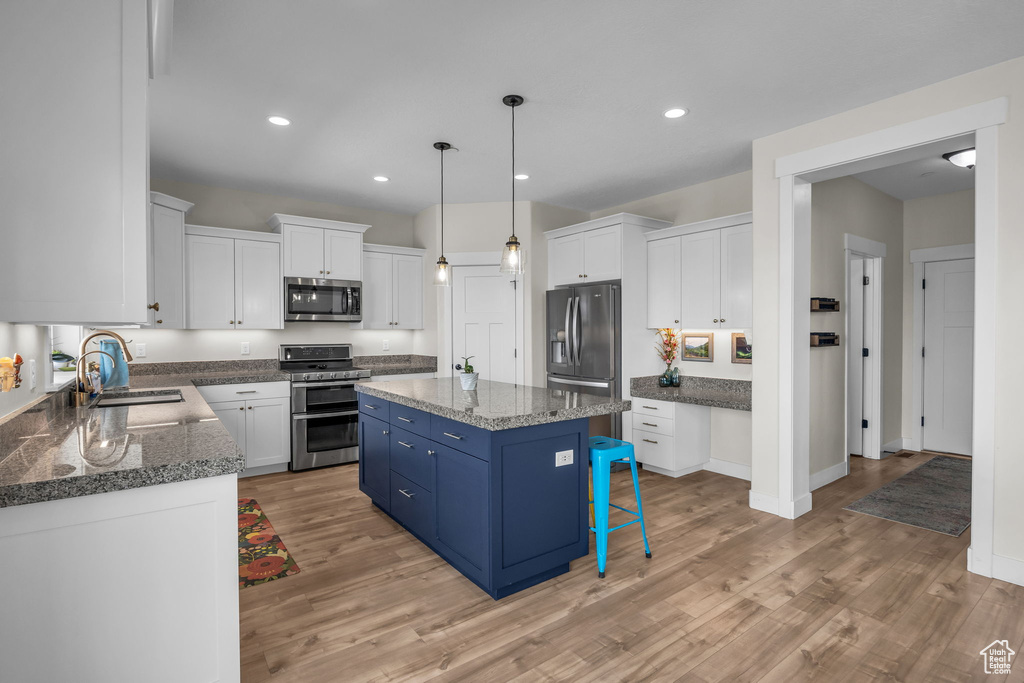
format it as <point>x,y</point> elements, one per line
<point>374,460</point>
<point>462,500</point>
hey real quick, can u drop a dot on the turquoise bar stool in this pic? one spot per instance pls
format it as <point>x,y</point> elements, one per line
<point>604,452</point>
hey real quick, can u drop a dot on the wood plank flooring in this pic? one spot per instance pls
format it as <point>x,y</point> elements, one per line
<point>730,594</point>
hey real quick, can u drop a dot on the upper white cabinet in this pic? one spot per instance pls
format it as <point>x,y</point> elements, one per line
<point>74,176</point>
<point>699,276</point>
<point>167,261</point>
<point>232,279</point>
<point>392,288</point>
<point>320,249</point>
<point>592,255</point>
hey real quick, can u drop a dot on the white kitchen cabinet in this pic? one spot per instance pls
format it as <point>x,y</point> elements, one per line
<point>75,172</point>
<point>700,276</point>
<point>320,249</point>
<point>258,418</point>
<point>232,279</point>
<point>167,261</point>
<point>392,288</point>
<point>590,256</point>
<point>565,260</point>
<point>671,438</point>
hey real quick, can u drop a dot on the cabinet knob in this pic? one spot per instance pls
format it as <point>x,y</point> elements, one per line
<point>321,272</point>
<point>581,275</point>
<point>716,320</point>
<point>242,408</point>
<point>154,306</point>
<point>239,322</point>
<point>159,322</point>
<point>250,407</point>
<point>723,320</point>
<point>328,272</point>
<point>431,452</point>
<point>231,322</point>
<point>677,321</point>
<point>386,432</point>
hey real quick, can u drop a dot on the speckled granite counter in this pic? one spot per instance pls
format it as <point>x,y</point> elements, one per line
<point>397,364</point>
<point>733,394</point>
<point>493,405</point>
<point>50,451</point>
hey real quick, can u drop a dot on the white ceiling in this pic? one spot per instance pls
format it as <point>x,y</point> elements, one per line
<point>371,84</point>
<point>925,176</point>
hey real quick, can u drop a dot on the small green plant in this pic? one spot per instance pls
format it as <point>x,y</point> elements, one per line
<point>467,367</point>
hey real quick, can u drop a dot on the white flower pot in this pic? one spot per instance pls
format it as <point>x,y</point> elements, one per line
<point>469,380</point>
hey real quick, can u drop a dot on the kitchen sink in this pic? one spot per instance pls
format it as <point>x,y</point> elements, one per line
<point>141,398</point>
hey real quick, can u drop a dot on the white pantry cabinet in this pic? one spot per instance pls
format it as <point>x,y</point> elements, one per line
<point>166,305</point>
<point>75,171</point>
<point>699,276</point>
<point>232,279</point>
<point>320,249</point>
<point>258,418</point>
<point>392,287</point>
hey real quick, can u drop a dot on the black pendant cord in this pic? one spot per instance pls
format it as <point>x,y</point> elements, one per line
<point>513,170</point>
<point>442,202</point>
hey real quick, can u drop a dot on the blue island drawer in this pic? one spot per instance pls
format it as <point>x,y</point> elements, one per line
<point>461,436</point>
<point>371,405</point>
<point>416,421</point>
<point>412,457</point>
<point>413,506</point>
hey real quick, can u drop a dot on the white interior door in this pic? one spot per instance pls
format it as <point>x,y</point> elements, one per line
<point>949,356</point>
<point>855,359</point>
<point>483,321</point>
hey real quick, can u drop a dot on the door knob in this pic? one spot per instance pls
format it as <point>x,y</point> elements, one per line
<point>458,366</point>
<point>154,306</point>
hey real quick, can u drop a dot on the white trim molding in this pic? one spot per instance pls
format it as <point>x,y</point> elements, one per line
<point>1007,569</point>
<point>862,245</point>
<point>701,226</point>
<point>829,474</point>
<point>954,253</point>
<point>729,469</point>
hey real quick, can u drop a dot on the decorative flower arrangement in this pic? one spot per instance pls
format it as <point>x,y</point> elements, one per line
<point>667,346</point>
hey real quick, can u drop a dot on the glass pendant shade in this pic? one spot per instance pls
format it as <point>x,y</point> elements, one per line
<point>442,273</point>
<point>512,257</point>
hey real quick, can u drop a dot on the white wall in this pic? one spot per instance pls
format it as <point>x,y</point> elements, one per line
<point>1001,80</point>
<point>941,221</point>
<point>33,343</point>
<point>712,199</point>
<point>841,206</point>
<point>227,208</point>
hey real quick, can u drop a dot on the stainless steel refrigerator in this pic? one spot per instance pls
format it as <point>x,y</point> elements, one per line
<point>584,346</point>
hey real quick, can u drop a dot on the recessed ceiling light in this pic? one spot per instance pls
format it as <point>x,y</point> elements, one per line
<point>381,178</point>
<point>964,158</point>
<point>279,120</point>
<point>521,176</point>
<point>675,113</point>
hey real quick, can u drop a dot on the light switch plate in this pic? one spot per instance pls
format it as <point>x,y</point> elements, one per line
<point>140,350</point>
<point>563,458</point>
<point>245,348</point>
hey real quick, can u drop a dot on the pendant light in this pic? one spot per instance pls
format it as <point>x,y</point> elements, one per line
<point>442,272</point>
<point>512,255</point>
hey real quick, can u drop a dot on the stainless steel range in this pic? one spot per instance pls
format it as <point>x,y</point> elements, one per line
<point>325,418</point>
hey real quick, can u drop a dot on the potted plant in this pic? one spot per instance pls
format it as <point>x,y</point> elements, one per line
<point>468,377</point>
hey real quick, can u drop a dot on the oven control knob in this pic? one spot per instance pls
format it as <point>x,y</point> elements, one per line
<point>305,376</point>
<point>319,375</point>
<point>331,376</point>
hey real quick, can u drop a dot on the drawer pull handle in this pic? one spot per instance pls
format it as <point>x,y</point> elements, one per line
<point>405,419</point>
<point>649,424</point>
<point>367,405</point>
<point>386,432</point>
<point>649,441</point>
<point>454,436</point>
<point>251,391</point>
<point>650,407</point>
<point>407,445</point>
<point>406,493</point>
<point>431,452</point>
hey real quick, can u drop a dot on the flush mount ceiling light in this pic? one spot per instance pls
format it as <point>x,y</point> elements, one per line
<point>442,272</point>
<point>381,178</point>
<point>512,254</point>
<point>521,176</point>
<point>963,158</point>
<point>279,120</point>
<point>675,113</point>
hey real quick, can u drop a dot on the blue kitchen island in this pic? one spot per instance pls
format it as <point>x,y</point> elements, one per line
<point>492,480</point>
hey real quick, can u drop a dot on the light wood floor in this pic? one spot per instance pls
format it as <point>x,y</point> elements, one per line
<point>731,594</point>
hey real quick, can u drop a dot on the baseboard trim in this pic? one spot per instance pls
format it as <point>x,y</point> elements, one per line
<point>729,469</point>
<point>896,445</point>
<point>1008,569</point>
<point>263,469</point>
<point>829,475</point>
<point>764,503</point>
<point>673,473</point>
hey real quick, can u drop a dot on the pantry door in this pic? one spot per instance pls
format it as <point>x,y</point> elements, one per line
<point>484,321</point>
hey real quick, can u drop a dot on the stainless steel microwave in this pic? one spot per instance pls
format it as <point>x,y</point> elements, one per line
<point>307,299</point>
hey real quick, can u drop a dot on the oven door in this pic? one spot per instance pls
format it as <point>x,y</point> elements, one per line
<point>322,300</point>
<point>321,439</point>
<point>324,397</point>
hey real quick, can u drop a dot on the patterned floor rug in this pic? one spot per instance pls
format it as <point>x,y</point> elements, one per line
<point>262,556</point>
<point>935,496</point>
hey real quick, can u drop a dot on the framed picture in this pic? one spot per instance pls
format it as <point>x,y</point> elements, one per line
<point>699,346</point>
<point>741,350</point>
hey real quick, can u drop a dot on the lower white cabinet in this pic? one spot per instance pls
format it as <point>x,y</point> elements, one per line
<point>671,438</point>
<point>392,288</point>
<point>258,418</point>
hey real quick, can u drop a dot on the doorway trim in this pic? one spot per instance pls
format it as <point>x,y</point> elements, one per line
<point>853,155</point>
<point>874,254</point>
<point>918,258</point>
<point>446,319</point>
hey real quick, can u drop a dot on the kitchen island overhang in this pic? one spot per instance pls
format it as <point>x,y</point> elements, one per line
<point>492,480</point>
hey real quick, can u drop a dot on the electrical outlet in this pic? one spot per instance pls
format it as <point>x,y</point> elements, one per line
<point>140,350</point>
<point>563,458</point>
<point>31,374</point>
<point>385,345</point>
<point>245,348</point>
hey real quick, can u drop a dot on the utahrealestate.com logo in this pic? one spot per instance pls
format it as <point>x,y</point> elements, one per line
<point>998,657</point>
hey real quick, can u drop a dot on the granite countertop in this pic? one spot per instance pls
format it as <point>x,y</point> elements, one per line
<point>493,405</point>
<point>396,364</point>
<point>733,394</point>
